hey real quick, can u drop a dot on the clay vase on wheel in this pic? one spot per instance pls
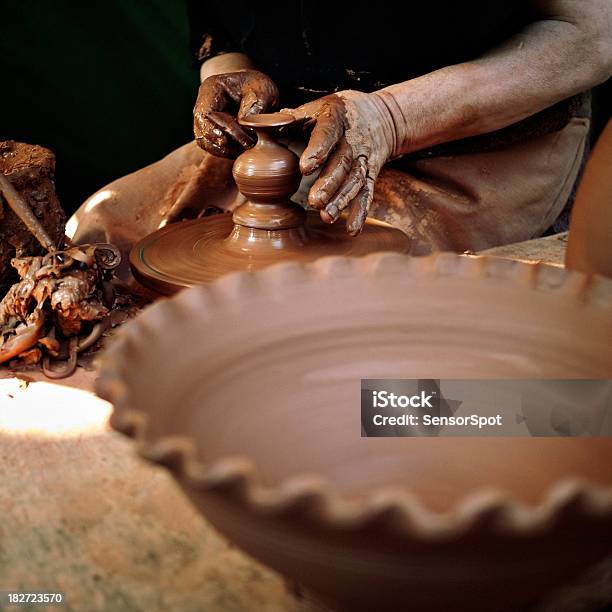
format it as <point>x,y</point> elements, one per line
<point>268,174</point>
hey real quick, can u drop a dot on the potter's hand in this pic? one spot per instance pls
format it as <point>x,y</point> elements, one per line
<point>217,130</point>
<point>352,138</point>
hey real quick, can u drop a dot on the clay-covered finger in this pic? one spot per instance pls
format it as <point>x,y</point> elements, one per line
<point>217,131</point>
<point>332,176</point>
<point>360,207</point>
<point>200,125</point>
<point>306,112</point>
<point>258,96</point>
<point>212,139</point>
<point>216,149</point>
<point>213,95</point>
<point>227,124</point>
<point>209,136</point>
<point>216,142</point>
<point>349,189</point>
<point>250,105</point>
<point>325,135</point>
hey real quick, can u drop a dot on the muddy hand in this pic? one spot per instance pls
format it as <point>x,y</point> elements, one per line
<point>215,126</point>
<point>351,139</point>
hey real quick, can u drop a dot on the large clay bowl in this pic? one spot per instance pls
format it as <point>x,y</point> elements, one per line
<point>248,390</point>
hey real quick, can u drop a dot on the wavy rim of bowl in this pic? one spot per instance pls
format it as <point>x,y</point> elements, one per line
<point>396,511</point>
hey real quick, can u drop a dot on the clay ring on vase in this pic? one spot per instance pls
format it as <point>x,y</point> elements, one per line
<point>248,391</point>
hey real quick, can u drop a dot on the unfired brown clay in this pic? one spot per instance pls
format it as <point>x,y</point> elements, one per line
<point>248,390</point>
<point>31,217</point>
<point>589,246</point>
<point>266,229</point>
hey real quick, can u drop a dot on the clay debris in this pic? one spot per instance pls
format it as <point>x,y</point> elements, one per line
<point>30,169</point>
<point>60,305</point>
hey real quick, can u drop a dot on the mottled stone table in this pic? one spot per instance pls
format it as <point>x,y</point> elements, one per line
<point>81,514</point>
<point>549,250</point>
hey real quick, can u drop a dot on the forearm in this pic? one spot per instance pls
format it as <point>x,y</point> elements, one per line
<point>552,59</point>
<point>226,62</point>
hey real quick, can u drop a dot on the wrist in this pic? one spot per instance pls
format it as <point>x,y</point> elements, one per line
<point>225,62</point>
<point>394,117</point>
<point>378,118</point>
<point>445,105</point>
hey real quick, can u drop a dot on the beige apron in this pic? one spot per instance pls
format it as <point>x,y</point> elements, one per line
<point>472,201</point>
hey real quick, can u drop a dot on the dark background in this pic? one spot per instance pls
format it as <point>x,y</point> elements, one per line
<point>108,86</point>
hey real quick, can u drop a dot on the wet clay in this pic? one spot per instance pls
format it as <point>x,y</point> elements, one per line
<point>29,171</point>
<point>264,434</point>
<point>266,229</point>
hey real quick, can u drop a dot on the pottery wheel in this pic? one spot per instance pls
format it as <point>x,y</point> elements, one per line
<point>268,228</point>
<point>194,252</point>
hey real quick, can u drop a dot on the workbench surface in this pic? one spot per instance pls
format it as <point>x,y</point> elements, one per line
<point>83,515</point>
